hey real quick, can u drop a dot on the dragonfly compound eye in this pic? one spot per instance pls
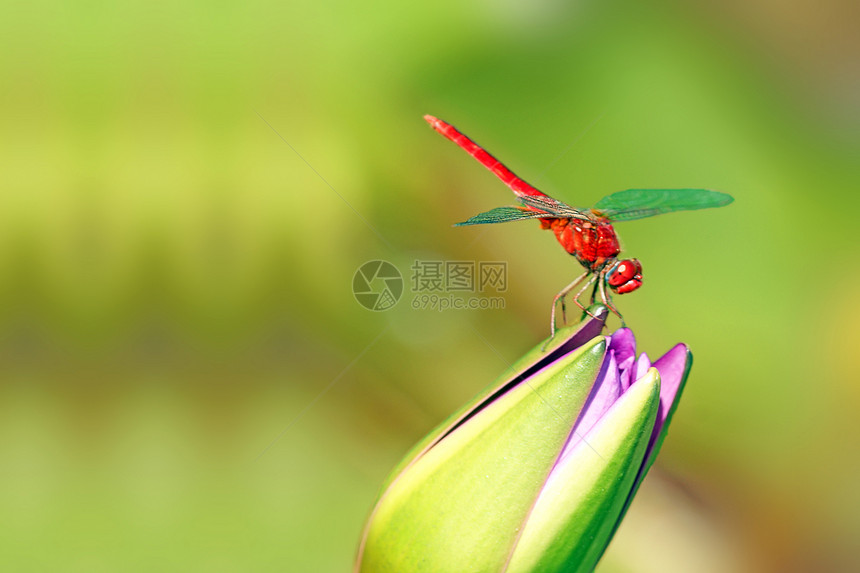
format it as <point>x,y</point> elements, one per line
<point>625,276</point>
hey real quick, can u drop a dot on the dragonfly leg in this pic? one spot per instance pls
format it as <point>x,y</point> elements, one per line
<point>579,294</point>
<point>567,289</point>
<point>597,285</point>
<point>560,296</point>
<point>608,301</point>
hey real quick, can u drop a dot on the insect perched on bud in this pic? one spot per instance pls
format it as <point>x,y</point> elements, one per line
<point>586,233</point>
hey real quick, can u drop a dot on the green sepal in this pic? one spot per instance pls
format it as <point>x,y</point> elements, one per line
<point>458,503</point>
<point>578,507</point>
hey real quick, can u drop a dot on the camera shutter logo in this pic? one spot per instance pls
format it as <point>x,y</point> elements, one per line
<point>377,285</point>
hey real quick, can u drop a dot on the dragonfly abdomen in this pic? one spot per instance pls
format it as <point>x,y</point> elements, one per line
<point>517,185</point>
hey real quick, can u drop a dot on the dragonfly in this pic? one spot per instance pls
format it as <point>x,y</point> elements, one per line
<point>585,233</point>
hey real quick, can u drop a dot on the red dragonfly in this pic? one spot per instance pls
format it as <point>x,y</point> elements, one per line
<point>585,233</point>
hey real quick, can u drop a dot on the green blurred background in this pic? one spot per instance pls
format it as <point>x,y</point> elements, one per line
<point>186,381</point>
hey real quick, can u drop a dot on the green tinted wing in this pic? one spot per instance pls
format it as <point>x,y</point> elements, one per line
<point>640,203</point>
<point>503,215</point>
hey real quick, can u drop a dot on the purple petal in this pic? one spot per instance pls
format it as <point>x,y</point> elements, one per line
<point>606,391</point>
<point>673,367</point>
<point>623,343</point>
<point>642,366</point>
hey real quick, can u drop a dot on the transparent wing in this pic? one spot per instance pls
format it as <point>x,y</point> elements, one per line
<point>536,207</point>
<point>504,215</point>
<point>640,203</point>
<point>553,207</point>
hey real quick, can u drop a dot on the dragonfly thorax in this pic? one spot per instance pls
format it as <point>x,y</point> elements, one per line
<point>593,243</point>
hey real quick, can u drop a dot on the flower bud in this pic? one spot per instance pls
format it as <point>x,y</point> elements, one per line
<point>537,471</point>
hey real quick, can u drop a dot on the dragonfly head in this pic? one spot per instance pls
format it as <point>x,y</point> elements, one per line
<point>625,276</point>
